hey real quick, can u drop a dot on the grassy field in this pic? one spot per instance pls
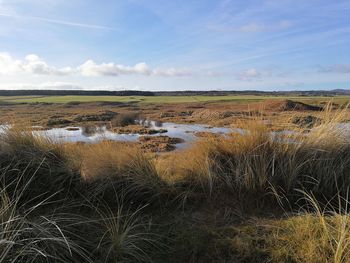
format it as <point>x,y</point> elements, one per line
<point>235,198</point>
<point>238,198</point>
<point>163,99</point>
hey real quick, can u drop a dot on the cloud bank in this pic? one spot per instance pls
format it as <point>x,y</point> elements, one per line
<point>43,86</point>
<point>33,64</point>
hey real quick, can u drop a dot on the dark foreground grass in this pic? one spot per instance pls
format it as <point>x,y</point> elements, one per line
<point>245,198</point>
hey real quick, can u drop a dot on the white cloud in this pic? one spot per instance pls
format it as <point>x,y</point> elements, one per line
<point>33,64</point>
<point>250,74</point>
<point>65,86</point>
<point>90,68</point>
<point>8,65</point>
<point>32,57</point>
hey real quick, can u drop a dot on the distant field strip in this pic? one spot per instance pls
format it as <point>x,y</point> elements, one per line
<point>164,99</point>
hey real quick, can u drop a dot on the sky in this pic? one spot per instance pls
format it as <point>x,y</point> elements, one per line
<point>175,44</point>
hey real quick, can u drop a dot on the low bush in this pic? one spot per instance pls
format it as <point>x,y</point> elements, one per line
<point>124,119</point>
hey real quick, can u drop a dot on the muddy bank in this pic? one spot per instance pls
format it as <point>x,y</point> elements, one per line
<point>159,143</point>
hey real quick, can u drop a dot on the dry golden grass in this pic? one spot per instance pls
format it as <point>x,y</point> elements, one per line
<point>111,181</point>
<point>104,159</point>
<point>261,162</point>
<point>115,169</point>
<point>308,237</point>
<point>311,238</point>
<point>318,234</point>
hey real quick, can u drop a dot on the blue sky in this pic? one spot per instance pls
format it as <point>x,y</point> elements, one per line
<point>175,45</point>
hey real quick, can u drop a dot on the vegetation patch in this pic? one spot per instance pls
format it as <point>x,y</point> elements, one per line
<point>53,122</point>
<point>290,105</point>
<point>308,121</point>
<point>250,197</point>
<point>159,143</point>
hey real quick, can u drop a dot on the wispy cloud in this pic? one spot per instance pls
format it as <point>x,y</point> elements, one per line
<point>258,74</point>
<point>253,27</point>
<point>43,86</point>
<point>64,86</point>
<point>337,68</point>
<point>263,27</point>
<point>250,74</point>
<point>59,22</point>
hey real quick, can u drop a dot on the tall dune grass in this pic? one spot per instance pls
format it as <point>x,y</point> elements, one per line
<point>113,170</point>
<point>28,237</point>
<point>314,234</point>
<point>319,234</point>
<point>35,165</point>
<point>81,202</point>
<point>42,183</point>
<point>127,236</point>
<point>259,163</point>
<point>48,232</point>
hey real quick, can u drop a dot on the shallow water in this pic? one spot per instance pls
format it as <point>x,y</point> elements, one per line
<point>93,134</point>
<point>183,131</point>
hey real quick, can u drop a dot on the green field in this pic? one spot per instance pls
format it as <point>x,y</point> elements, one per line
<point>162,99</point>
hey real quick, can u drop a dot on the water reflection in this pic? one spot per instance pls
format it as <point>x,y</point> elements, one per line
<point>91,130</point>
<point>148,123</point>
<point>158,124</point>
<point>93,134</point>
<point>186,132</point>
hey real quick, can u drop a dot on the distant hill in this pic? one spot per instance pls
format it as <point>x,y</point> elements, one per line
<point>342,91</point>
<point>74,93</point>
<point>255,92</point>
<point>336,92</point>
